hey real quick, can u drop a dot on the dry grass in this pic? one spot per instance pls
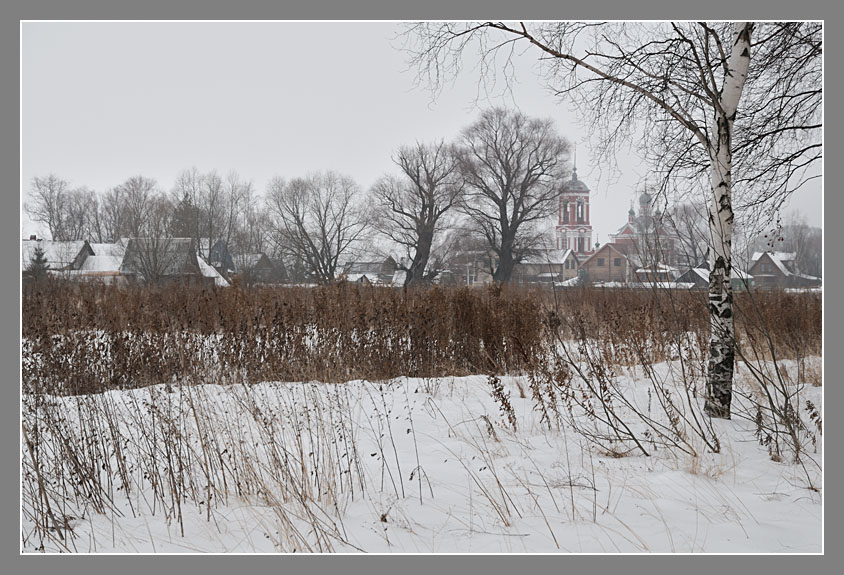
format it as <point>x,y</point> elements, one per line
<point>299,456</point>
<point>83,338</point>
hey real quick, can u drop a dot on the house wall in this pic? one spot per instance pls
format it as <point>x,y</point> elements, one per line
<point>766,274</point>
<point>609,271</point>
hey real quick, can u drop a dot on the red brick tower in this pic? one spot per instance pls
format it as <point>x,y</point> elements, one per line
<point>574,231</point>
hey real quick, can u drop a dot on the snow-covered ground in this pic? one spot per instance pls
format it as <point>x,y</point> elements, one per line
<point>408,465</point>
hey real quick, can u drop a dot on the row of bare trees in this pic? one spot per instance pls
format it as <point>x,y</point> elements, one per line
<point>498,181</point>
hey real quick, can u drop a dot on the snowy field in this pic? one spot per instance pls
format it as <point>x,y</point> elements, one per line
<point>400,466</point>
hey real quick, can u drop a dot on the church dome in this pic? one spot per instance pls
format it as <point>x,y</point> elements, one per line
<point>575,185</point>
<point>645,198</point>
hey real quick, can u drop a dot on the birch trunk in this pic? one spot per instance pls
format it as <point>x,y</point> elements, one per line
<point>719,381</point>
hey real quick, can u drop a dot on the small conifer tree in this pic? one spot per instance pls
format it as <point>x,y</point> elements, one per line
<point>37,268</point>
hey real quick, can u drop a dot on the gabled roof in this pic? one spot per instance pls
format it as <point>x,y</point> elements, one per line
<point>703,273</point>
<point>782,256</point>
<point>209,272</point>
<point>656,268</point>
<point>59,255</point>
<point>248,261</point>
<point>549,257</point>
<point>778,258</point>
<point>106,258</point>
<point>608,246</point>
<point>176,256</point>
<point>102,264</point>
<point>623,229</point>
<point>368,267</point>
<point>113,249</point>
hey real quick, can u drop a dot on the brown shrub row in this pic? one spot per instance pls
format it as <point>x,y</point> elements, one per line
<point>82,338</point>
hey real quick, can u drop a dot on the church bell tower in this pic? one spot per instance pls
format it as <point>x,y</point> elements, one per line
<point>574,232</point>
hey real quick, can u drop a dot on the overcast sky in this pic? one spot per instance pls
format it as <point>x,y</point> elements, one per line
<point>106,101</point>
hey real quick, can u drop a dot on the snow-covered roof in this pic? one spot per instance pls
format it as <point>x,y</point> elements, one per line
<point>209,272</point>
<point>575,281</point>
<point>357,277</point>
<point>656,268</point>
<point>58,254</point>
<point>734,274</point>
<point>361,268</point>
<point>399,278</point>
<point>782,256</point>
<point>548,257</point>
<point>107,257</point>
<point>112,249</point>
<point>778,258</point>
<point>102,263</point>
<point>665,285</point>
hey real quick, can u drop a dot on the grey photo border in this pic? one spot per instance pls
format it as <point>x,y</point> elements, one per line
<point>12,15</point>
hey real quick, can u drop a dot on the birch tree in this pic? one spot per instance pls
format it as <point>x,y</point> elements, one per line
<point>412,206</point>
<point>735,103</point>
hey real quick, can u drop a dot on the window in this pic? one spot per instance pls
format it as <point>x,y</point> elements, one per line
<point>567,264</point>
<point>580,245</point>
<point>565,212</point>
<point>600,262</point>
<point>617,262</point>
<point>580,212</point>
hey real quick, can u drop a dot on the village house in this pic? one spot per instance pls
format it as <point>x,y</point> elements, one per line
<point>103,263</point>
<point>699,278</point>
<point>216,252</point>
<point>779,270</point>
<point>258,268</point>
<point>168,261</point>
<point>607,264</point>
<point>62,257</point>
<point>656,273</point>
<point>383,272</point>
<point>546,267</point>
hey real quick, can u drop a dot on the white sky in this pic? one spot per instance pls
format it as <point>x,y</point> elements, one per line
<point>105,101</point>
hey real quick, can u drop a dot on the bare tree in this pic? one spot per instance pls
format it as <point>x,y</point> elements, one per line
<point>80,214</point>
<point>806,242</point>
<point>47,204</point>
<point>153,254</point>
<point>412,207</point>
<point>212,209</point>
<point>513,167</point>
<point>677,89</point>
<point>237,195</point>
<point>185,197</point>
<point>794,235</point>
<point>691,222</point>
<point>254,227</point>
<point>136,196</point>
<point>113,214</point>
<point>318,220</point>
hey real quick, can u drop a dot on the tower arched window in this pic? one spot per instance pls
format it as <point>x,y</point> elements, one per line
<point>580,212</point>
<point>565,212</point>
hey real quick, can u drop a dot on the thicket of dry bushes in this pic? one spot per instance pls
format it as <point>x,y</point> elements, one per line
<point>164,447</point>
<point>81,338</point>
